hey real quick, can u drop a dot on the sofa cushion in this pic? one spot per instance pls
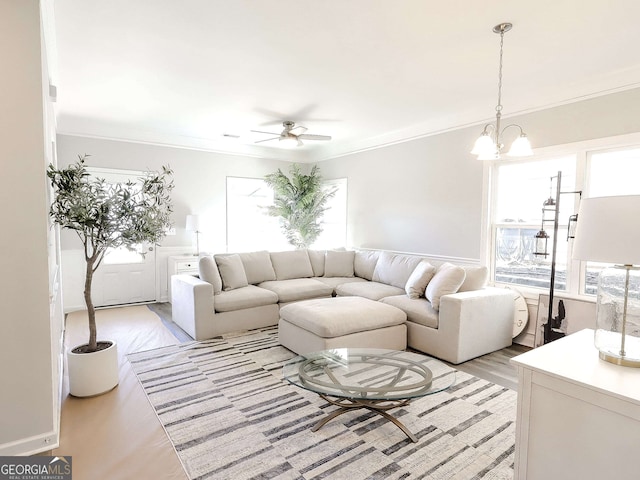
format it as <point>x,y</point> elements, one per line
<point>364,263</point>
<point>291,264</point>
<point>208,271</point>
<point>333,282</point>
<point>241,298</point>
<point>395,269</point>
<point>296,289</point>
<point>370,290</point>
<point>339,264</point>
<point>335,317</point>
<point>231,271</point>
<point>317,261</point>
<point>447,280</point>
<point>418,280</point>
<point>418,311</point>
<point>476,278</point>
<point>257,267</point>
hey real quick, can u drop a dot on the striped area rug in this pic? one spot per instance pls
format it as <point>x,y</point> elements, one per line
<point>230,415</point>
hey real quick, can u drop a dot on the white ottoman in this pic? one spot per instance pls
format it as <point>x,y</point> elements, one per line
<point>341,322</point>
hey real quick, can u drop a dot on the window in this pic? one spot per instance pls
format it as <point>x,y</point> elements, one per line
<point>522,189</point>
<point>519,188</point>
<point>250,228</point>
<point>334,233</point>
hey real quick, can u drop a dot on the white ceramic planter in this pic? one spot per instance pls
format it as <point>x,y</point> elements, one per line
<point>93,373</point>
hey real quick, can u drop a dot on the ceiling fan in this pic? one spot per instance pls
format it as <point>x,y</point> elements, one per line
<point>292,135</point>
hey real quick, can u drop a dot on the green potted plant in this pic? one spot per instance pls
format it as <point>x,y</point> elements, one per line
<point>105,216</point>
<point>300,203</point>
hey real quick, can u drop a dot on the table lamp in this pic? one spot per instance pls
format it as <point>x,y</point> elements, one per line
<point>608,231</point>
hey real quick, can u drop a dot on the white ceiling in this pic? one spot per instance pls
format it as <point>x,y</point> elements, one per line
<point>366,72</point>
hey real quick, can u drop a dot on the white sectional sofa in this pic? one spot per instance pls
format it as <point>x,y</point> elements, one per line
<point>451,314</point>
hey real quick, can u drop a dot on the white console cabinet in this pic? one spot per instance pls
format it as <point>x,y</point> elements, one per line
<point>578,416</point>
<point>181,264</point>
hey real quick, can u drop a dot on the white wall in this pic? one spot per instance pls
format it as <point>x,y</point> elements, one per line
<point>422,196</point>
<point>426,195</point>
<point>28,421</point>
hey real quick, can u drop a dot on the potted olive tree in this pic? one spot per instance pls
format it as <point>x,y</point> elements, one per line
<point>299,202</point>
<point>105,216</point>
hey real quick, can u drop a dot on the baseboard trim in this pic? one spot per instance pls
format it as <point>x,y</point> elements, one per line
<point>31,445</point>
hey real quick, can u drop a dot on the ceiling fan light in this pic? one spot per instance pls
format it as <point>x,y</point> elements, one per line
<point>484,145</point>
<point>290,141</point>
<point>520,147</point>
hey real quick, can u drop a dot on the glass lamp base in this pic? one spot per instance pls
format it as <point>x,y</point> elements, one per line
<point>625,362</point>
<point>617,335</point>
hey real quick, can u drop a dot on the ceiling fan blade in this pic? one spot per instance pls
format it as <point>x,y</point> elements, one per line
<point>299,127</point>
<point>267,139</point>
<point>268,133</point>
<point>307,136</point>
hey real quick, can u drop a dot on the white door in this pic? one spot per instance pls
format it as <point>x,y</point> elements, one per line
<point>125,277</point>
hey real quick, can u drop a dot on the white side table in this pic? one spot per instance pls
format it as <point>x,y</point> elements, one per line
<point>181,264</point>
<point>578,416</point>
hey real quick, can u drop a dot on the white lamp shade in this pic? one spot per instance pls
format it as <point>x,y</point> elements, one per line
<point>608,230</point>
<point>520,147</point>
<point>193,223</point>
<point>484,146</point>
<point>290,142</point>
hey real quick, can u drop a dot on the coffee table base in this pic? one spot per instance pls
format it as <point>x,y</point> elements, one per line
<point>376,406</point>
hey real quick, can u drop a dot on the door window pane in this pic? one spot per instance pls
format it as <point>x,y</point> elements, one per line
<point>112,176</point>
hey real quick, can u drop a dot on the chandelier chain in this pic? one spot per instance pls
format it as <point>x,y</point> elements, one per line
<point>499,106</point>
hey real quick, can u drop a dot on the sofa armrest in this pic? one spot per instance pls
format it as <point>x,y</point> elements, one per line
<point>477,322</point>
<point>192,304</point>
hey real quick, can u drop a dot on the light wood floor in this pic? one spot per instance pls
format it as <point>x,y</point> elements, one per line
<point>118,436</point>
<point>494,367</point>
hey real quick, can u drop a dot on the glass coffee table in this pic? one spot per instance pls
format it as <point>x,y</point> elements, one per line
<point>375,379</point>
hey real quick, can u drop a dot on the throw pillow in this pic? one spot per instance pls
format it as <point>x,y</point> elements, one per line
<point>208,271</point>
<point>231,271</point>
<point>419,279</point>
<point>476,278</point>
<point>339,264</point>
<point>395,268</point>
<point>317,261</point>
<point>258,267</point>
<point>365,263</point>
<point>291,264</point>
<point>447,280</point>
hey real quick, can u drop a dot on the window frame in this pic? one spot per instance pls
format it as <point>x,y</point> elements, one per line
<point>339,182</point>
<point>582,150</point>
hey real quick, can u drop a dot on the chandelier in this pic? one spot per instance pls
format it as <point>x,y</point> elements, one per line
<point>489,144</point>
